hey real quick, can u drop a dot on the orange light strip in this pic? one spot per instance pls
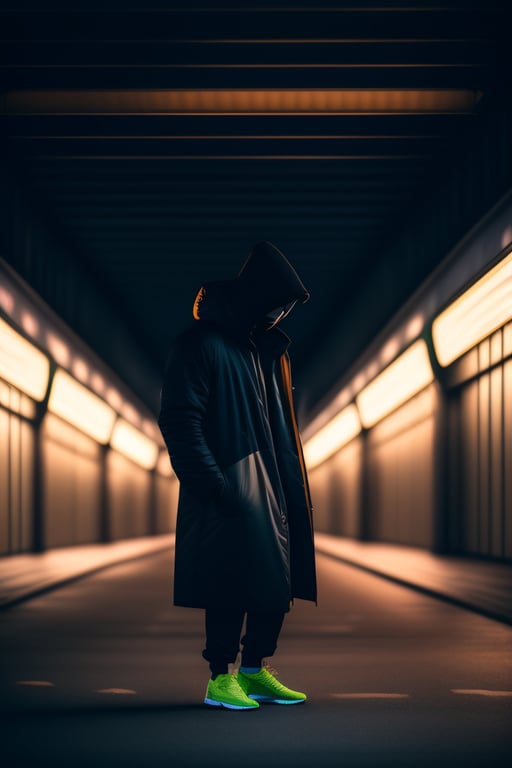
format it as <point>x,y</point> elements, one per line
<point>22,364</point>
<point>481,310</point>
<point>238,65</point>
<point>232,102</point>
<point>80,407</point>
<point>402,379</point>
<point>338,432</point>
<point>134,444</point>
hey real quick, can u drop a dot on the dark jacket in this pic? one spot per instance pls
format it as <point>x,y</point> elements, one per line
<point>244,533</point>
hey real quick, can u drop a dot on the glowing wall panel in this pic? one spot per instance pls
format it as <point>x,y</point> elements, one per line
<point>482,309</point>
<point>402,379</point>
<point>17,442</point>
<point>481,439</point>
<point>336,491</point>
<point>129,496</point>
<point>166,504</point>
<point>72,484</point>
<point>22,364</point>
<point>401,474</point>
<point>80,407</point>
<point>134,444</point>
<point>333,436</point>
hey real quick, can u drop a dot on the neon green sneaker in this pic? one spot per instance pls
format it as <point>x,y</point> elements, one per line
<point>263,686</point>
<point>225,691</point>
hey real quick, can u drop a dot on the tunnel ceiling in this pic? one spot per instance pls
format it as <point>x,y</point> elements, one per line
<point>166,140</point>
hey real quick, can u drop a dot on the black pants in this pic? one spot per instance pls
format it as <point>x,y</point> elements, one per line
<point>223,630</point>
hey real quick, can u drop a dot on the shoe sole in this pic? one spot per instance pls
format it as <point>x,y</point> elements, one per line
<point>214,703</point>
<point>269,700</point>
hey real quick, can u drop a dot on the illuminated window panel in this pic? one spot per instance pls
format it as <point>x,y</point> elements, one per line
<point>80,407</point>
<point>134,444</point>
<point>339,431</point>
<point>22,364</point>
<point>405,377</point>
<point>482,309</point>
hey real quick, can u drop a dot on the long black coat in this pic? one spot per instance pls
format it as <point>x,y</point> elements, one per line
<point>244,532</point>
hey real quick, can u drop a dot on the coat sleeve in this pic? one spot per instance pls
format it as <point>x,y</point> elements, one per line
<point>184,400</point>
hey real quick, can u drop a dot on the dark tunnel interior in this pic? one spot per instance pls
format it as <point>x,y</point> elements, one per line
<point>146,147</point>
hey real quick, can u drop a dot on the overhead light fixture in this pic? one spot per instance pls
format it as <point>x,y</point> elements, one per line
<point>134,444</point>
<point>29,323</point>
<point>243,101</point>
<point>403,378</point>
<point>6,301</point>
<point>22,364</point>
<point>414,327</point>
<point>482,309</point>
<point>58,349</point>
<point>337,433</point>
<point>114,398</point>
<point>97,382</point>
<point>80,407</point>
<point>129,412</point>
<point>80,369</point>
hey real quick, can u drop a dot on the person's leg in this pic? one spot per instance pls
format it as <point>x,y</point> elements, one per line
<point>260,639</point>
<point>223,629</point>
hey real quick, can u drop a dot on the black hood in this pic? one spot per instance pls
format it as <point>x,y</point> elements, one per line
<point>266,281</point>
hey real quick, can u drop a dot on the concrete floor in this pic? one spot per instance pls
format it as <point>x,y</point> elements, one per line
<point>105,672</point>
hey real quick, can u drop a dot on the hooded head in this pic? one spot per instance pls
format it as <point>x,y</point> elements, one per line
<point>267,283</point>
<point>265,290</point>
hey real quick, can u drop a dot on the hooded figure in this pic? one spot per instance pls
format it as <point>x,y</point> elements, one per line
<point>244,530</point>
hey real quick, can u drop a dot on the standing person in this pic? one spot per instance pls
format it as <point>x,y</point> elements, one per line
<point>244,532</point>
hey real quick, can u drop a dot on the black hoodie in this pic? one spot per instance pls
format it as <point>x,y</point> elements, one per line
<point>265,282</point>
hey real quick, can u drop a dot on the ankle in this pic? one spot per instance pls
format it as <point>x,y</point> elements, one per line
<point>219,671</point>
